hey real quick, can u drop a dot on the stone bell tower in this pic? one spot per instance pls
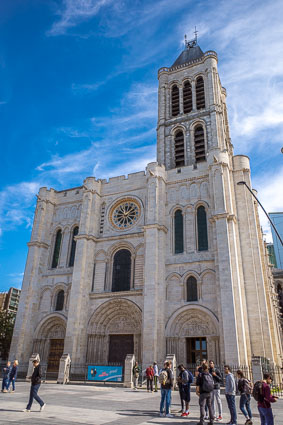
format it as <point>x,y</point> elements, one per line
<point>192,116</point>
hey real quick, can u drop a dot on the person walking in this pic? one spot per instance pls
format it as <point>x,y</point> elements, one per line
<point>185,379</point>
<point>204,389</point>
<point>149,378</point>
<point>166,380</point>
<point>13,375</point>
<point>156,374</point>
<point>216,399</point>
<point>245,389</point>
<point>136,374</point>
<point>230,393</point>
<point>6,374</point>
<point>35,385</point>
<point>265,400</point>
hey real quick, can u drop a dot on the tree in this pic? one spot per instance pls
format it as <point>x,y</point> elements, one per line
<point>7,321</point>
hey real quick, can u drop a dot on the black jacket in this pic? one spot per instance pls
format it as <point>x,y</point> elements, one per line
<point>217,379</point>
<point>36,376</point>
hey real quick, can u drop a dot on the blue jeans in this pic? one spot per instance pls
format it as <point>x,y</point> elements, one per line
<point>245,404</point>
<point>232,407</point>
<point>5,384</point>
<point>266,416</point>
<point>33,395</point>
<point>165,397</point>
<point>13,383</point>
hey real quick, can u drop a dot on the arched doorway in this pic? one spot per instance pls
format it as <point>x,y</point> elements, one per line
<point>49,344</point>
<point>192,333</point>
<point>114,331</point>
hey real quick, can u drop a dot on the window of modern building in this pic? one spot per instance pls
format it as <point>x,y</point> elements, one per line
<point>60,301</point>
<point>178,232</point>
<point>199,144</point>
<point>202,229</point>
<point>179,149</point>
<point>73,247</point>
<point>57,246</point>
<point>175,101</point>
<point>200,96</point>
<point>121,277</point>
<point>192,289</point>
<point>187,97</point>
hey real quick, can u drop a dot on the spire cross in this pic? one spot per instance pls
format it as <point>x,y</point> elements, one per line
<point>196,34</point>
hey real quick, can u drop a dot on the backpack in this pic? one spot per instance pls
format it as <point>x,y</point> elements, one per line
<point>163,377</point>
<point>247,387</point>
<point>207,383</point>
<point>257,391</point>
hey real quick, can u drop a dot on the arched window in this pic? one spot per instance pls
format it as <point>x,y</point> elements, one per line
<point>57,246</point>
<point>187,97</point>
<point>175,101</point>
<point>192,289</point>
<point>202,229</point>
<point>179,232</point>
<point>199,144</point>
<point>179,149</point>
<point>200,97</point>
<point>60,301</point>
<point>121,277</point>
<point>73,247</point>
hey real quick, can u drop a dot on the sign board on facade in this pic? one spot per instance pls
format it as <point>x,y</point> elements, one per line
<point>105,373</point>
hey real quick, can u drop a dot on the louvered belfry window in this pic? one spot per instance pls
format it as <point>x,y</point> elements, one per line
<point>199,144</point>
<point>202,229</point>
<point>179,149</point>
<point>192,289</point>
<point>121,277</point>
<point>187,97</point>
<point>56,252</point>
<point>179,232</point>
<point>200,97</point>
<point>73,247</point>
<point>60,301</point>
<point>175,101</point>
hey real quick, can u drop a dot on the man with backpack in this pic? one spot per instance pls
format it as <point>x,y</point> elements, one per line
<point>216,400</point>
<point>166,380</point>
<point>245,389</point>
<point>230,393</point>
<point>185,379</point>
<point>205,386</point>
<point>262,395</point>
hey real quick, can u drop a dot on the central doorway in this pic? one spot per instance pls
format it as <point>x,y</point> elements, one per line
<point>119,347</point>
<point>55,353</point>
<point>196,349</point>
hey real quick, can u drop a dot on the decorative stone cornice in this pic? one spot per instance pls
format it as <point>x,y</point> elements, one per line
<point>47,201</point>
<point>38,244</point>
<point>227,216</point>
<point>132,293</point>
<point>110,238</point>
<point>156,226</point>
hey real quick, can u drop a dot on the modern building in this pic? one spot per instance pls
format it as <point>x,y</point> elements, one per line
<point>271,254</point>
<point>166,260</point>
<point>2,300</point>
<point>12,300</point>
<point>277,219</point>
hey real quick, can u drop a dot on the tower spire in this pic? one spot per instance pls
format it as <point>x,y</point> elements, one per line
<point>193,42</point>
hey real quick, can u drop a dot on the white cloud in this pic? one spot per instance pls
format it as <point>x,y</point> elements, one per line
<point>270,193</point>
<point>74,12</point>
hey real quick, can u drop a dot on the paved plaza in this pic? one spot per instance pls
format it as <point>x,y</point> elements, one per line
<point>97,405</point>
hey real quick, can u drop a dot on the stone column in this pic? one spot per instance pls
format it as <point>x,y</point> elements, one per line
<point>37,260</point>
<point>76,336</point>
<point>154,275</point>
<point>128,371</point>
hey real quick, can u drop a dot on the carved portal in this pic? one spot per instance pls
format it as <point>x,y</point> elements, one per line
<point>114,317</point>
<point>53,328</point>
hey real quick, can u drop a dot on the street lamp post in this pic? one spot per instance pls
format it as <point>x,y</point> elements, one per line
<point>270,221</point>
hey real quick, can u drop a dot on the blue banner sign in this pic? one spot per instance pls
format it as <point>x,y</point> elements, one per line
<point>105,373</point>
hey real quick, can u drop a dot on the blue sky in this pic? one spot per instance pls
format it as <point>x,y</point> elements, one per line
<point>78,95</point>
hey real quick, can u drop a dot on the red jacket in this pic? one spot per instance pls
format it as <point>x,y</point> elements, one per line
<point>266,398</point>
<point>149,372</point>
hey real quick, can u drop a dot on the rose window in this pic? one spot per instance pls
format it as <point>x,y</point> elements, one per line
<point>125,214</point>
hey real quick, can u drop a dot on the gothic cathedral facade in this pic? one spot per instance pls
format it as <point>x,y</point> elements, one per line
<point>170,260</point>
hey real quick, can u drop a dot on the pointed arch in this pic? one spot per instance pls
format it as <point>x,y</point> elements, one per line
<point>187,97</point>
<point>200,94</point>
<point>121,276</point>
<point>199,142</point>
<point>73,246</point>
<point>192,289</point>
<point>178,232</point>
<point>57,248</point>
<point>179,148</point>
<point>175,107</point>
<point>202,237</point>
